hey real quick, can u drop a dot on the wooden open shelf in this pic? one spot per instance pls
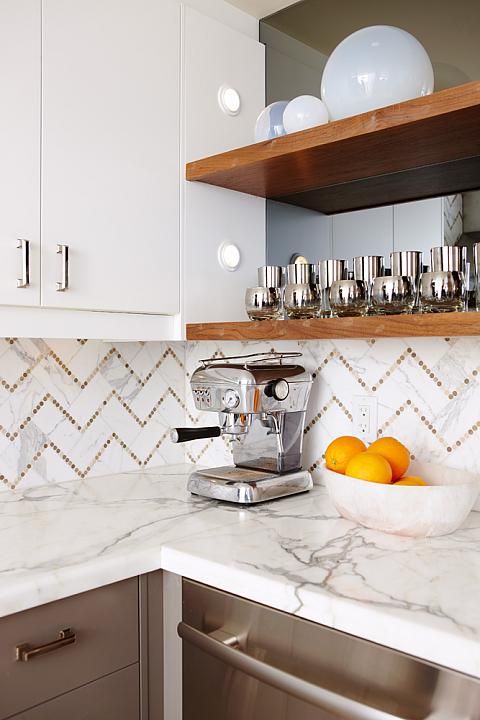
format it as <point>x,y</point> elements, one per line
<point>428,325</point>
<point>422,148</point>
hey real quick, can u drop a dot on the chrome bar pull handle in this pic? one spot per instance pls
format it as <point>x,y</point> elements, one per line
<point>63,285</point>
<point>26,652</point>
<point>24,280</point>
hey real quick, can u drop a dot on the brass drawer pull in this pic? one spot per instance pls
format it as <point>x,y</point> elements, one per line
<point>26,652</point>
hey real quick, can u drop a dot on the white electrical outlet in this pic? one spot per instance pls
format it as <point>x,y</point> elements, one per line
<point>365,417</point>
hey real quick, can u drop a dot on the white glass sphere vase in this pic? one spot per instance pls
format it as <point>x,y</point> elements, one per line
<point>269,123</point>
<point>303,112</point>
<point>374,67</point>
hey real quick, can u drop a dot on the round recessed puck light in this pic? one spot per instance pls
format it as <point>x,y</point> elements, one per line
<point>229,256</point>
<point>229,100</point>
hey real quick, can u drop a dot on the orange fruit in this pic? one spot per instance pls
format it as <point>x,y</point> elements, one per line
<point>410,480</point>
<point>341,450</point>
<point>370,466</point>
<point>394,452</point>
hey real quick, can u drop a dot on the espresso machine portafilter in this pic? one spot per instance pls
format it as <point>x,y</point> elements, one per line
<point>261,401</point>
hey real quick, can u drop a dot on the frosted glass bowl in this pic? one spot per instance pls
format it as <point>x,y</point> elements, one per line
<point>269,123</point>
<point>376,66</point>
<point>438,509</point>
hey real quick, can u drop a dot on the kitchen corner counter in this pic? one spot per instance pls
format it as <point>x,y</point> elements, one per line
<point>296,555</point>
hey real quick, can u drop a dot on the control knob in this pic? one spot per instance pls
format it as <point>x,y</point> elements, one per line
<point>278,389</point>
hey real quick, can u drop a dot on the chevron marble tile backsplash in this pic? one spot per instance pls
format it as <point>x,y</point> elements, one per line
<point>428,392</point>
<point>70,408</point>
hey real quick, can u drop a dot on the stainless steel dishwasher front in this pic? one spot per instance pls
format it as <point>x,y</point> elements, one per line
<point>244,661</point>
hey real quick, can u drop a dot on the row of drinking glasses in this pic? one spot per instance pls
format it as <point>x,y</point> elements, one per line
<point>329,289</point>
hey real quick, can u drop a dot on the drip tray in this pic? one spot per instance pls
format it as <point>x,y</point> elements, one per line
<point>231,473</point>
<point>247,487</point>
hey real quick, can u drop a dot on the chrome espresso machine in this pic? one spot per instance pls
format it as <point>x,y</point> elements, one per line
<point>261,400</point>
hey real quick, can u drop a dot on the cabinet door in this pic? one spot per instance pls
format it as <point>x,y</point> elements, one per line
<point>363,232</point>
<point>115,697</point>
<point>216,56</point>
<point>20,62</point>
<point>111,76</point>
<point>419,226</point>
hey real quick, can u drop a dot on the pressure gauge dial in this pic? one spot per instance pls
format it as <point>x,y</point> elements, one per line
<point>231,399</point>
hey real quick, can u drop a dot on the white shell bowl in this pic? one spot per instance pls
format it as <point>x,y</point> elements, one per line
<point>438,509</point>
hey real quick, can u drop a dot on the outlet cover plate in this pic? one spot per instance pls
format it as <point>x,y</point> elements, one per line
<point>365,417</point>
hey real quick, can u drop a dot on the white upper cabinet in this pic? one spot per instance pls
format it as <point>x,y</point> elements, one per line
<point>111,165</point>
<point>20,49</point>
<point>216,57</point>
<point>102,104</point>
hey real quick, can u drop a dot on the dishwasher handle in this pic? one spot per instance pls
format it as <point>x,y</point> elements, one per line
<point>227,650</point>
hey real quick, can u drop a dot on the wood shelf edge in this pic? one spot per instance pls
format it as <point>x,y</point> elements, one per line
<point>409,112</point>
<point>431,325</point>
<point>420,148</point>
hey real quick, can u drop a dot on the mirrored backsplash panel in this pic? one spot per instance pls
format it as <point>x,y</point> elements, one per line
<point>299,40</point>
<point>448,31</point>
<point>417,225</point>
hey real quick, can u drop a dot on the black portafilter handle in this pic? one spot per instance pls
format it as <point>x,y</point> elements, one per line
<point>181,435</point>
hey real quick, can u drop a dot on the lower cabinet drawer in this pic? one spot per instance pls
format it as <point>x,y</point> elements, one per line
<point>105,625</point>
<point>115,697</point>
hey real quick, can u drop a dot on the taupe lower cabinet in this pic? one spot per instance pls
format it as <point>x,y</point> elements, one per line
<point>114,697</point>
<point>87,657</point>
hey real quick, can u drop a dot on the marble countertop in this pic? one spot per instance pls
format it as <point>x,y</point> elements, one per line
<point>297,555</point>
